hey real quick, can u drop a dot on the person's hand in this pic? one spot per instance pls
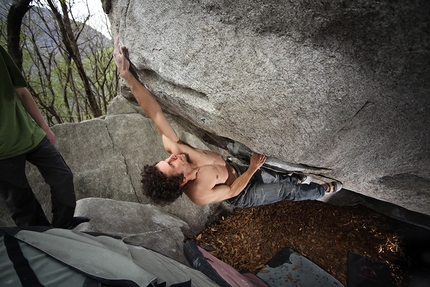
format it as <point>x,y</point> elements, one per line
<point>257,160</point>
<point>120,57</point>
<point>51,136</point>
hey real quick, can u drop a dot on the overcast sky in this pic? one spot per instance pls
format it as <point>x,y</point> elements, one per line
<point>98,18</point>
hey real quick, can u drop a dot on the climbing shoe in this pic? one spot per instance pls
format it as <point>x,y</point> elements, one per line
<point>332,187</point>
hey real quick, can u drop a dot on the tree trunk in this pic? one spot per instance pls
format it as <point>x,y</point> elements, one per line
<point>14,20</point>
<point>71,45</point>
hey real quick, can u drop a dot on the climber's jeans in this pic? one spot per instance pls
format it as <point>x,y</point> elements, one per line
<point>267,186</point>
<point>18,196</point>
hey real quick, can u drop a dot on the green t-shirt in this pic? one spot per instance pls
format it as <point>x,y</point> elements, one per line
<point>19,133</point>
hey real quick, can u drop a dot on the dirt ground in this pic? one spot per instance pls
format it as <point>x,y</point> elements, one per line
<point>248,238</point>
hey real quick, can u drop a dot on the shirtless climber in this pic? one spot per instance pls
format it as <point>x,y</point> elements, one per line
<point>204,176</point>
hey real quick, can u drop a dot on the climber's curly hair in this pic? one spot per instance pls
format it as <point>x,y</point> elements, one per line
<point>158,187</point>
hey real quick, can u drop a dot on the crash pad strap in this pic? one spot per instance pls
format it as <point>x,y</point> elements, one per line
<point>22,267</point>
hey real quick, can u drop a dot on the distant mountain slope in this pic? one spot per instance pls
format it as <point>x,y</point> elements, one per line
<point>47,36</point>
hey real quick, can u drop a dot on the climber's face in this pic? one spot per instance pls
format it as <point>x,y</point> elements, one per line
<point>175,164</point>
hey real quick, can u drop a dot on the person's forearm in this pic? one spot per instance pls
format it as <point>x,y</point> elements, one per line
<point>240,183</point>
<point>144,97</point>
<point>150,105</point>
<point>31,107</point>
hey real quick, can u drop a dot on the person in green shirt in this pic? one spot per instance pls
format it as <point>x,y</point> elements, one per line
<point>25,136</point>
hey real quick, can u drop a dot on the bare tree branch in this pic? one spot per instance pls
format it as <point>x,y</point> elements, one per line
<point>14,19</point>
<point>71,45</point>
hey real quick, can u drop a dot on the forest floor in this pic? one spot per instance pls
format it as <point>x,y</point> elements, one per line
<point>248,238</point>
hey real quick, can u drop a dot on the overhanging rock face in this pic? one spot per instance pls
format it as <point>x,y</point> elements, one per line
<point>341,90</point>
<point>328,84</point>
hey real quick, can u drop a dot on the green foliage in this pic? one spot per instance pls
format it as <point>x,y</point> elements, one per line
<point>52,74</point>
<point>3,41</point>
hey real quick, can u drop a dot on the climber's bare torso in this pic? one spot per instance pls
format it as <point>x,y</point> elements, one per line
<point>208,175</point>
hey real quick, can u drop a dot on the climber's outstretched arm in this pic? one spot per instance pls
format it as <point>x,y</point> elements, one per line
<point>146,100</point>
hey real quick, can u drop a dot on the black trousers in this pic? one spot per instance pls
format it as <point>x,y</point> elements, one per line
<point>16,192</point>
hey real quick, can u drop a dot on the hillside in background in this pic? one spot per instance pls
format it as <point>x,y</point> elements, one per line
<point>47,35</point>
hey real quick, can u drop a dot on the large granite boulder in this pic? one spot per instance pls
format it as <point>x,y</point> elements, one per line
<point>329,84</point>
<point>337,89</point>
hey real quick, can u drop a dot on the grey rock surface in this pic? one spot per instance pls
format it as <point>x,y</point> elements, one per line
<point>340,87</point>
<point>141,224</point>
